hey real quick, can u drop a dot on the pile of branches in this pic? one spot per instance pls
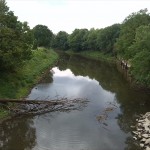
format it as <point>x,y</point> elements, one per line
<point>25,107</point>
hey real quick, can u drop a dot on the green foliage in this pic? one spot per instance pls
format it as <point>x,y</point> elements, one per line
<point>60,41</point>
<point>3,7</point>
<point>14,40</point>
<point>102,40</point>
<point>140,54</point>
<point>107,38</point>
<point>141,67</point>
<point>133,45</point>
<point>17,84</point>
<point>42,36</point>
<point>91,40</point>
<point>130,41</point>
<point>77,40</point>
<point>141,42</point>
<point>128,31</point>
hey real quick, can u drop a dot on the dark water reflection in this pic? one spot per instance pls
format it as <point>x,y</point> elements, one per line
<point>78,77</point>
<point>18,134</point>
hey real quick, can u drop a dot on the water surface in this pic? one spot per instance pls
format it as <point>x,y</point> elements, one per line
<point>77,77</point>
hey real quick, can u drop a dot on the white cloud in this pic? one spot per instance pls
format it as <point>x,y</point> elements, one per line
<point>70,14</point>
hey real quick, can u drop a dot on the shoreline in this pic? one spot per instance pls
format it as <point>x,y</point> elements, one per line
<point>33,72</point>
<point>122,68</point>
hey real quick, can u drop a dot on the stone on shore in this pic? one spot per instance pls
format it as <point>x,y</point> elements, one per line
<point>142,131</point>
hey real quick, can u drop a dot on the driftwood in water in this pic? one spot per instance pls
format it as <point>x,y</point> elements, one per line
<point>42,106</point>
<point>24,101</point>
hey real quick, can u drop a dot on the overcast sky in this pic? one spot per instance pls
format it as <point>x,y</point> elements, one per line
<point>66,15</point>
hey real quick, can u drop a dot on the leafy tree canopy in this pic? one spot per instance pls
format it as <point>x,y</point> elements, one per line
<point>107,38</point>
<point>77,40</point>
<point>91,39</point>
<point>42,36</point>
<point>14,48</point>
<point>60,41</point>
<point>128,31</point>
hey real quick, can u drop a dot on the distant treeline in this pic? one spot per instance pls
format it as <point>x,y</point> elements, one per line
<point>129,41</point>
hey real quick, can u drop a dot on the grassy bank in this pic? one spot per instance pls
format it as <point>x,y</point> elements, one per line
<point>17,84</point>
<point>96,55</point>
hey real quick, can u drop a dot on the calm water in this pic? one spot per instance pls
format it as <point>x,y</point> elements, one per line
<point>77,77</point>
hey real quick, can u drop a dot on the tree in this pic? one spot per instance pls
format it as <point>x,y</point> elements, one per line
<point>77,40</point>
<point>141,68</point>
<point>141,41</point>
<point>140,54</point>
<point>107,38</point>
<point>60,41</point>
<point>14,48</point>
<point>42,36</point>
<point>3,7</point>
<point>27,34</point>
<point>128,31</point>
<point>91,39</point>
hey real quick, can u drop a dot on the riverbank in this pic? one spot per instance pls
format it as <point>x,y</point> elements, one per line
<point>124,67</point>
<point>96,55</point>
<point>18,84</point>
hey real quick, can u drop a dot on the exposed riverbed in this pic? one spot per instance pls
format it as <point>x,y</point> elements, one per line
<point>103,124</point>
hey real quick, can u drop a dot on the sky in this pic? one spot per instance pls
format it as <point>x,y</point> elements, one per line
<point>67,15</point>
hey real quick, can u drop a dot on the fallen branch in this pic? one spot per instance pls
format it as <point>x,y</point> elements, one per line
<point>43,106</point>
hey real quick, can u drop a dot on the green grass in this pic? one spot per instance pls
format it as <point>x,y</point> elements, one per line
<point>97,55</point>
<point>18,84</point>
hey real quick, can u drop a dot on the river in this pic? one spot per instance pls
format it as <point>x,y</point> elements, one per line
<point>103,124</point>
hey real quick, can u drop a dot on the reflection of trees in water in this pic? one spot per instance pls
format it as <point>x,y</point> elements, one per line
<point>18,134</point>
<point>63,61</point>
<point>132,102</point>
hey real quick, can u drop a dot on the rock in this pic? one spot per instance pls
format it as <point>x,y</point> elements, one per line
<point>139,129</point>
<point>147,141</point>
<point>148,117</point>
<point>141,115</point>
<point>139,124</point>
<point>142,145</point>
<point>147,114</point>
<point>141,121</point>
<point>143,140</point>
<point>145,135</point>
<point>147,148</point>
<point>139,136</point>
<point>142,131</point>
<point>135,132</point>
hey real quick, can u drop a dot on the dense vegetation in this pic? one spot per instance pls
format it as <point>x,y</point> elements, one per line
<point>17,39</point>
<point>20,65</point>
<point>42,36</point>
<point>128,41</point>
<point>17,84</point>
